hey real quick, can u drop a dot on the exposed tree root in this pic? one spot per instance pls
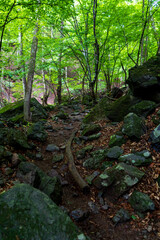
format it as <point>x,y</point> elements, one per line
<point>72,168</point>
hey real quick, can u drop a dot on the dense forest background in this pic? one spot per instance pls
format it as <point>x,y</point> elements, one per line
<point>73,47</point>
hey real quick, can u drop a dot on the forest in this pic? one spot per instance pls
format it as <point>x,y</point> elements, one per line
<point>79,119</point>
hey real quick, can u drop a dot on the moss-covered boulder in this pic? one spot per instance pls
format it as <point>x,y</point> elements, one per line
<point>29,173</point>
<point>3,136</point>
<point>138,159</point>
<point>82,153</point>
<point>143,108</point>
<point>4,154</point>
<point>144,80</point>
<point>114,152</point>
<point>95,161</point>
<point>141,202</point>
<point>114,111</point>
<point>117,140</point>
<point>133,126</point>
<point>37,132</point>
<point>17,138</point>
<point>26,213</point>
<point>13,112</point>
<point>118,179</point>
<point>91,129</point>
<point>62,115</point>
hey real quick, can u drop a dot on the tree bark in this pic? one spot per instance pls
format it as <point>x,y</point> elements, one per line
<point>29,83</point>
<point>22,61</point>
<point>72,168</point>
<point>59,88</point>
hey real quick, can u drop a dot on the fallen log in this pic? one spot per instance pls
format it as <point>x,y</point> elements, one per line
<point>72,168</point>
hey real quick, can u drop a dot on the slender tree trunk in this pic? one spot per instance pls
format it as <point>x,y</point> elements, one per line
<point>5,22</point>
<point>22,61</point>
<point>59,88</point>
<point>108,80</point>
<point>29,83</point>
<point>96,52</point>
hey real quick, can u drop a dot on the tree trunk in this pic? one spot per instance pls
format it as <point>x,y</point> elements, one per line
<point>22,61</point>
<point>59,88</point>
<point>29,83</point>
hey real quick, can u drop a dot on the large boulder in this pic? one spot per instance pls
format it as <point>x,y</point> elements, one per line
<point>114,111</point>
<point>97,158</point>
<point>91,129</point>
<point>133,126</point>
<point>118,179</point>
<point>143,108</point>
<point>17,138</point>
<point>13,112</point>
<point>31,174</point>
<point>141,202</point>
<point>26,213</point>
<point>144,81</point>
<point>37,132</point>
<point>137,159</point>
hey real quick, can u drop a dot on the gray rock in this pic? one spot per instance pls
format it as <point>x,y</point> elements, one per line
<point>52,148</point>
<point>39,156</point>
<point>142,158</point>
<point>31,174</point>
<point>118,179</point>
<point>133,126</point>
<point>141,202</point>
<point>90,178</point>
<point>114,152</point>
<point>155,135</point>
<point>94,208</point>
<point>29,214</point>
<point>121,216</point>
<point>79,215</point>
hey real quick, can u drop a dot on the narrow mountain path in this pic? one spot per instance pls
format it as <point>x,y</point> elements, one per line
<point>85,210</point>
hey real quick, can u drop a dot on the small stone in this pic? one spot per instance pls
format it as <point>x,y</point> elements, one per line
<point>52,148</point>
<point>79,215</point>
<point>93,207</point>
<point>149,228</point>
<point>114,152</point>
<point>39,156</point>
<point>90,178</point>
<point>105,207</point>
<point>121,216</point>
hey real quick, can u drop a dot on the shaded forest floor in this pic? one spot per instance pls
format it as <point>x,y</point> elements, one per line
<point>96,222</point>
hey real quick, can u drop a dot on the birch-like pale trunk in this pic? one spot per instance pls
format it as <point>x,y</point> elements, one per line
<point>29,82</point>
<point>22,61</point>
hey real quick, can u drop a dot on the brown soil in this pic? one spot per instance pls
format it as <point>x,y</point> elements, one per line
<point>99,226</point>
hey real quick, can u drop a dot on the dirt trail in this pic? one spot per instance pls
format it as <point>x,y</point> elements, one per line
<point>94,221</point>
